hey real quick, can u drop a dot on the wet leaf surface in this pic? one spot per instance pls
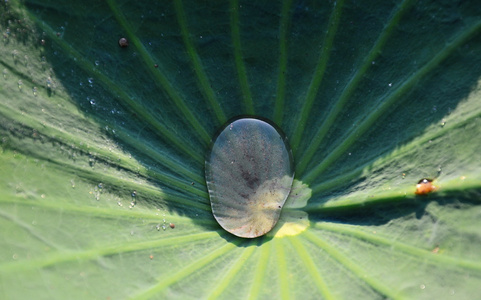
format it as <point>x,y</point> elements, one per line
<point>102,147</point>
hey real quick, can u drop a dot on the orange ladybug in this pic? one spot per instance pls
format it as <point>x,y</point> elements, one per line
<point>425,186</point>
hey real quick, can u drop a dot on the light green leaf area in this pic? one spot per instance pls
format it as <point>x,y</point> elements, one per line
<point>102,148</point>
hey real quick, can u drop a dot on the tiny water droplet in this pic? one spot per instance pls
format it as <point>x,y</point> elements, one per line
<point>20,84</point>
<point>390,84</point>
<point>164,227</point>
<point>92,102</point>
<point>4,72</point>
<point>34,91</point>
<point>49,82</point>
<point>247,197</point>
<point>97,63</point>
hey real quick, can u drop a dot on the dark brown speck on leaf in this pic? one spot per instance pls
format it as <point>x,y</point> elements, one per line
<point>123,42</point>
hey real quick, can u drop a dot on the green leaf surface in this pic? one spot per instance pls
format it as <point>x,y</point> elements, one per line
<point>102,148</point>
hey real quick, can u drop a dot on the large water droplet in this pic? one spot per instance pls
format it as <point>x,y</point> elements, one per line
<point>249,174</point>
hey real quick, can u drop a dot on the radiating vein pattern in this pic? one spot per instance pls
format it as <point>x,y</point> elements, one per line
<point>350,86</point>
<point>103,147</point>
<point>282,72</point>
<point>161,78</point>
<point>393,99</point>
<point>241,69</point>
<point>197,65</point>
<point>326,47</point>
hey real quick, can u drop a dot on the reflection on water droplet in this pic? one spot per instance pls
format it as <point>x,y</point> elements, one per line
<point>34,90</point>
<point>20,84</point>
<point>247,197</point>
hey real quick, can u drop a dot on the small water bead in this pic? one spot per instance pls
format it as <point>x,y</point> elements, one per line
<point>249,174</point>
